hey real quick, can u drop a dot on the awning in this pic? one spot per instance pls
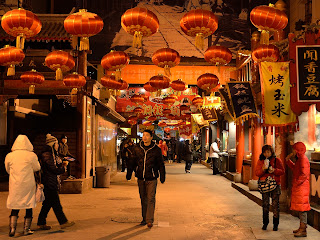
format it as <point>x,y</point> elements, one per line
<point>106,112</point>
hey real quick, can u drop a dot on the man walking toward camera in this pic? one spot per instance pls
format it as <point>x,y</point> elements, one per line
<point>147,162</point>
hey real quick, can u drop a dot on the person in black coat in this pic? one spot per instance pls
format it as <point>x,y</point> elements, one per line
<point>147,162</point>
<point>52,167</point>
<point>187,156</point>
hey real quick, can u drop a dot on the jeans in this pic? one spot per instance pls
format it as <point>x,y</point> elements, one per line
<point>52,200</point>
<point>147,191</point>
<point>275,194</point>
<point>15,212</point>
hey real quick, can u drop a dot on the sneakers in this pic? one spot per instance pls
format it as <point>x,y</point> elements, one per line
<point>67,224</point>
<point>150,225</point>
<point>44,227</point>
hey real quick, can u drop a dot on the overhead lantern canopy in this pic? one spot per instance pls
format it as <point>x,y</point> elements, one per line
<point>218,55</point>
<point>268,19</point>
<point>9,57</point>
<point>208,82</point>
<point>139,22</point>
<point>60,61</point>
<point>115,61</point>
<point>21,24</point>
<point>83,24</point>
<point>166,58</point>
<point>32,78</point>
<point>265,53</point>
<point>200,24</point>
<point>159,82</point>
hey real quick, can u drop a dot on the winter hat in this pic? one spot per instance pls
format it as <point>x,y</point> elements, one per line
<point>50,140</point>
<point>300,149</point>
<point>63,137</point>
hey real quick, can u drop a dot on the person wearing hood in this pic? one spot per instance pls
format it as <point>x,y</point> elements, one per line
<point>52,167</point>
<point>21,164</point>
<point>270,165</point>
<point>300,185</point>
<point>147,162</point>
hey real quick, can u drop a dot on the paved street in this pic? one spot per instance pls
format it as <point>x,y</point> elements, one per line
<point>189,206</point>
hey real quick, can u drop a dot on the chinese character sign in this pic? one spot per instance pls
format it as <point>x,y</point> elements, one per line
<point>185,130</point>
<point>209,114</point>
<point>275,90</point>
<point>242,100</point>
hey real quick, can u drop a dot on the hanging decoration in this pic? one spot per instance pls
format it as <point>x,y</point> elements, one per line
<point>32,78</point>
<point>166,58</point>
<point>200,24</point>
<point>166,111</point>
<point>59,61</point>
<point>218,55</point>
<point>208,82</point>
<point>169,100</point>
<point>83,24</point>
<point>110,82</point>
<point>9,57</point>
<point>147,123</point>
<point>137,99</point>
<point>132,120</point>
<point>74,81</point>
<point>147,86</point>
<point>124,85</point>
<point>159,82</point>
<point>162,124</point>
<point>167,129</point>
<point>265,53</point>
<point>139,22</point>
<point>21,24</point>
<point>138,110</point>
<point>152,118</point>
<point>184,108</point>
<point>178,85</point>
<point>115,61</point>
<point>268,19</point>
<point>197,101</point>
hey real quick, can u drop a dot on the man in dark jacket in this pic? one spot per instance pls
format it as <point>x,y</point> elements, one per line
<point>64,153</point>
<point>148,165</point>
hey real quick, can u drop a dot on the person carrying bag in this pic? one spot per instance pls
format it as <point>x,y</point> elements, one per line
<point>39,188</point>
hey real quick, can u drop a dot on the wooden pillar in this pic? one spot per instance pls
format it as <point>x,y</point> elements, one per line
<point>256,146</point>
<point>239,147</point>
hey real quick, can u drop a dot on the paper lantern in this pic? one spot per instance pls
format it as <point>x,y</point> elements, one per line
<point>207,81</point>
<point>186,115</point>
<point>83,24</point>
<point>138,110</point>
<point>166,58</point>
<point>197,101</point>
<point>147,123</point>
<point>115,61</point>
<point>162,124</point>
<point>178,85</point>
<point>60,61</point>
<point>169,100</point>
<point>159,82</point>
<point>139,22</point>
<point>184,108</point>
<point>132,122</point>
<point>21,24</point>
<point>132,118</point>
<point>137,99</point>
<point>32,78</point>
<point>9,57</point>
<point>149,88</point>
<point>152,118</point>
<point>167,129</point>
<point>166,111</point>
<point>265,53</point>
<point>218,55</point>
<point>110,82</point>
<point>200,24</point>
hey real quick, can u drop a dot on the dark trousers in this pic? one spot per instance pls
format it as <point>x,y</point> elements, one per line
<point>52,200</point>
<point>274,195</point>
<point>123,165</point>
<point>188,165</point>
<point>215,165</point>
<point>147,191</point>
<point>15,212</point>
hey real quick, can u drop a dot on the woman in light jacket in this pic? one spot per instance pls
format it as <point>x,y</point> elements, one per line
<point>21,164</point>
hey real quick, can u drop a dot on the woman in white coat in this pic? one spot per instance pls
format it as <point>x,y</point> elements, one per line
<point>21,164</point>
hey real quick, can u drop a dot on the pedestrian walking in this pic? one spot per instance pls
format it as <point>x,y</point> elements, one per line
<point>179,151</point>
<point>21,164</point>
<point>164,148</point>
<point>52,167</point>
<point>187,156</point>
<point>300,185</point>
<point>214,155</point>
<point>269,166</point>
<point>148,164</point>
<point>64,153</point>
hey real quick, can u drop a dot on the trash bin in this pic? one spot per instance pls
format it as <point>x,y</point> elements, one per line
<point>103,177</point>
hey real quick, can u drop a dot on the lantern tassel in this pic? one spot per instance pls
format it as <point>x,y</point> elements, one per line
<point>264,38</point>
<point>199,41</point>
<point>167,70</point>
<point>74,96</point>
<point>84,43</point>
<point>137,39</point>
<point>74,42</point>
<point>11,71</point>
<point>32,89</point>
<point>158,92</point>
<point>20,41</point>
<point>118,75</point>
<point>59,75</point>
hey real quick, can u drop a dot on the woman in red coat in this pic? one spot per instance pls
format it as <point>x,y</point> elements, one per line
<point>300,186</point>
<point>270,165</point>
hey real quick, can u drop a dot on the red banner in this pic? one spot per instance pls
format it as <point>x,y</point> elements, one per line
<point>185,130</point>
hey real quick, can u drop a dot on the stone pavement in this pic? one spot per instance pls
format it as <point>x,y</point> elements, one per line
<point>189,206</point>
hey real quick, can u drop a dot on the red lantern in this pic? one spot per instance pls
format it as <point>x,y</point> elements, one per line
<point>59,61</point>
<point>74,80</point>
<point>178,85</point>
<point>218,55</point>
<point>132,122</point>
<point>268,18</point>
<point>145,97</point>
<point>166,111</point>
<point>265,53</point>
<point>197,101</point>
<point>152,118</point>
<point>172,117</point>
<point>159,82</point>
<point>132,118</point>
<point>139,22</point>
<point>138,110</point>
<point>184,108</point>
<point>124,85</point>
<point>149,88</point>
<point>10,56</point>
<point>167,130</point>
<point>32,78</point>
<point>200,24</point>
<point>21,24</point>
<point>162,124</point>
<point>147,123</point>
<point>110,82</point>
<point>169,100</point>
<point>115,61</point>
<point>83,24</point>
<point>137,98</point>
<point>166,58</point>
<point>207,81</point>
<point>187,115</point>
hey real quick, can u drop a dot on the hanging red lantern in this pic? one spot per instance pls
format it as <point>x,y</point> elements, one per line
<point>124,85</point>
<point>166,58</point>
<point>83,24</point>
<point>60,61</point>
<point>197,101</point>
<point>139,22</point>
<point>74,80</point>
<point>32,78</point>
<point>115,61</point>
<point>162,124</point>
<point>172,117</point>
<point>149,88</point>
<point>184,108</point>
<point>166,111</point>
<point>138,110</point>
<point>110,82</point>
<point>159,82</point>
<point>137,99</point>
<point>169,100</point>
<point>132,122</point>
<point>147,123</point>
<point>218,55</point>
<point>207,81</point>
<point>167,129</point>
<point>265,53</point>
<point>200,24</point>
<point>145,97</point>
<point>132,118</point>
<point>178,85</point>
<point>9,57</point>
<point>21,24</point>
<point>152,118</point>
<point>187,115</point>
<point>268,18</point>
